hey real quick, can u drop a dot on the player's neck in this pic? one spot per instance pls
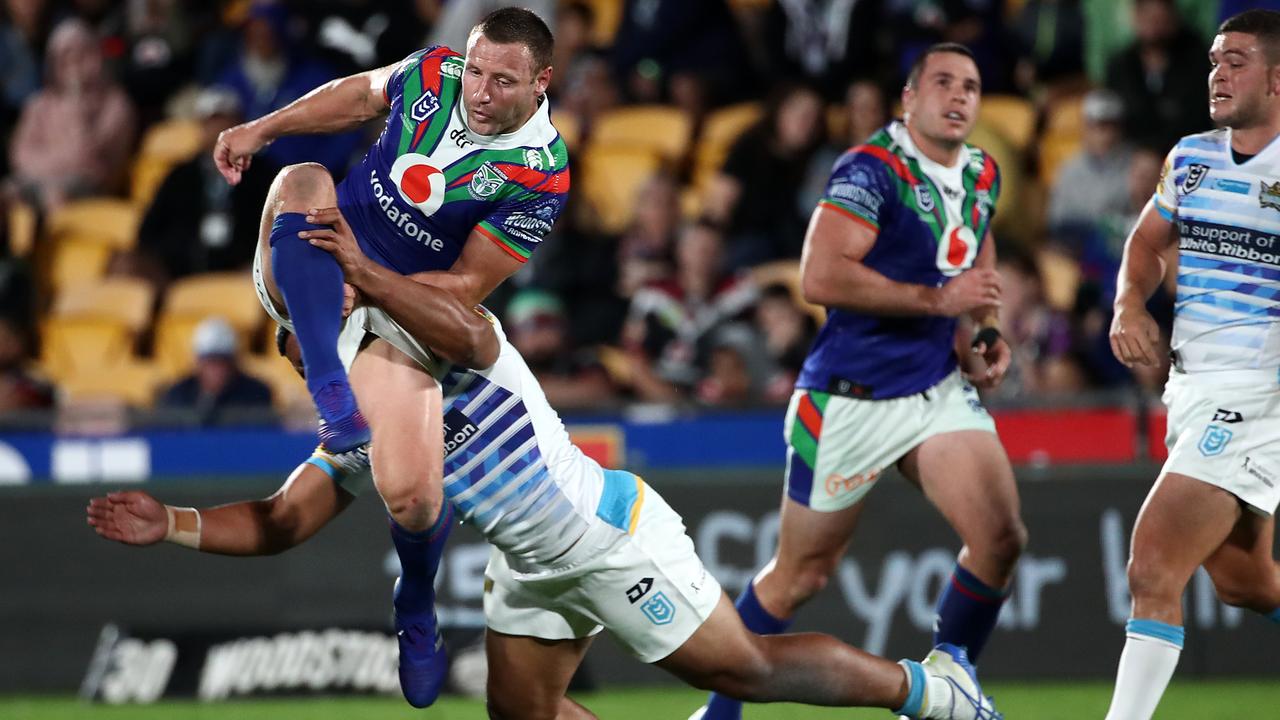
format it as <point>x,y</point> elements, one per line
<point>1255,139</point>
<point>945,154</point>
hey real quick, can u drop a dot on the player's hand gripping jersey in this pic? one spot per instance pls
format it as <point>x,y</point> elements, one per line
<point>1228,222</point>
<point>429,181</point>
<point>929,222</point>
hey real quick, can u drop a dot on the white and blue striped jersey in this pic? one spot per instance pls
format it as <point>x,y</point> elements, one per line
<point>510,468</point>
<point>1227,216</point>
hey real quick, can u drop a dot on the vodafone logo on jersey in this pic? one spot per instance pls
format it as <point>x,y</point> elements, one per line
<point>420,183</point>
<point>957,250</point>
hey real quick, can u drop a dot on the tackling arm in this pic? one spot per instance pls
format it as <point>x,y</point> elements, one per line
<point>306,502</point>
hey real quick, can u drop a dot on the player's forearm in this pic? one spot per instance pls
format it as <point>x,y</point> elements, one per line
<point>245,529</point>
<point>435,316</point>
<point>850,285</point>
<point>1141,271</point>
<point>336,106</point>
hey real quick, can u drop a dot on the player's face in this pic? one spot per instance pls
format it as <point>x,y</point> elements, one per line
<point>943,106</point>
<point>1242,87</point>
<point>499,85</point>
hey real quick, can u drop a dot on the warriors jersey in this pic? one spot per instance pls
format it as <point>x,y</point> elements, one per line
<point>511,470</point>
<point>929,221</point>
<point>429,180</point>
<point>1227,217</point>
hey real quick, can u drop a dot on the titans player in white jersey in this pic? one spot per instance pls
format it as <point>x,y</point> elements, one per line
<point>1215,499</point>
<point>576,548</point>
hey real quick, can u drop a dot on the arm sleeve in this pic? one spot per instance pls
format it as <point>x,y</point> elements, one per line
<point>395,83</point>
<point>860,187</point>
<point>519,225</point>
<point>1166,195</point>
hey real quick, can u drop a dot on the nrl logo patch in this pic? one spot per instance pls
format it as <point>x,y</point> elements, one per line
<point>424,107</point>
<point>486,181</point>
<point>924,198</point>
<point>1195,175</point>
<point>1269,195</point>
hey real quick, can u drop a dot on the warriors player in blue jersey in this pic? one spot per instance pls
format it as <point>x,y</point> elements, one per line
<point>463,183</point>
<point>898,249</point>
<point>576,547</point>
<point>1215,499</point>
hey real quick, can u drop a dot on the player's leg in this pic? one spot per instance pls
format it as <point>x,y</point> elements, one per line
<point>723,656</point>
<point>528,677</point>
<point>1244,570</point>
<point>1181,524</point>
<point>309,282</point>
<point>967,476</point>
<point>403,405</point>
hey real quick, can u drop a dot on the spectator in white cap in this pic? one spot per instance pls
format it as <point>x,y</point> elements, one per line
<point>217,385</point>
<point>1094,182</point>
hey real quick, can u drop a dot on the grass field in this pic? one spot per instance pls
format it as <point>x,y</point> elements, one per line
<point>1186,700</point>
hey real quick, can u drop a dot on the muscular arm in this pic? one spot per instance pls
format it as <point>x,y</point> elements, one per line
<point>307,501</point>
<point>336,106</point>
<point>987,315</point>
<point>832,274</point>
<point>439,314</point>
<point>481,268</point>
<point>1143,265</point>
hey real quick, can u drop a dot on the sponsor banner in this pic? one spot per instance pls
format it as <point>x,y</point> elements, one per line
<point>1064,618</point>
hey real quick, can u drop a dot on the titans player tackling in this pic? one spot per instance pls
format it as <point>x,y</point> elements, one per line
<point>897,249</point>
<point>1214,501</point>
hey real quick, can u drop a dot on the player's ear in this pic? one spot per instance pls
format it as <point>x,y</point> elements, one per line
<point>542,80</point>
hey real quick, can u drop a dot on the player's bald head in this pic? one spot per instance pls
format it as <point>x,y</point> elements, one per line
<point>1263,25</point>
<point>519,25</point>
<point>918,67</point>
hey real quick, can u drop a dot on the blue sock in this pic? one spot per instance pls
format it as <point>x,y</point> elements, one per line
<point>759,621</point>
<point>916,681</point>
<point>1273,616</point>
<point>311,282</point>
<point>419,554</point>
<point>967,612</point>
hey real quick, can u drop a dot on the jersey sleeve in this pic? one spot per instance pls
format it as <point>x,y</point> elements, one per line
<point>519,223</point>
<point>395,83</point>
<point>860,188</point>
<point>1166,195</point>
<point>350,470</point>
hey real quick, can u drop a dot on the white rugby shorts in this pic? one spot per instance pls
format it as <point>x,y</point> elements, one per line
<point>1223,429</point>
<point>648,588</point>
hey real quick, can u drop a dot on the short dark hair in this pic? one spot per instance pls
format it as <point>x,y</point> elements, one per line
<point>519,25</point>
<point>1262,24</point>
<point>917,67</point>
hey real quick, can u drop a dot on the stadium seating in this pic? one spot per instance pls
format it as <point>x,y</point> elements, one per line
<point>287,389</point>
<point>660,129</point>
<point>1064,124</point>
<point>719,131</point>
<point>165,145</point>
<point>191,300</point>
<point>1012,117</point>
<point>107,221</point>
<point>22,228</point>
<point>72,347</point>
<point>787,274</point>
<point>75,262</point>
<point>612,177</point>
<point>121,299</point>
<point>130,380</point>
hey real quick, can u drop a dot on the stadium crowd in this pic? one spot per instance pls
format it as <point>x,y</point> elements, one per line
<point>700,134</point>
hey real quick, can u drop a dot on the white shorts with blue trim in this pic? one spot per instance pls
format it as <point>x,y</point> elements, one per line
<point>647,587</point>
<point>837,447</point>
<point>1223,429</point>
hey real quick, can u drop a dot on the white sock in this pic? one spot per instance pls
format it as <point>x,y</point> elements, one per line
<point>1146,665</point>
<point>938,698</point>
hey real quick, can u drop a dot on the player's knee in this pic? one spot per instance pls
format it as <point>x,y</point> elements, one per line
<point>411,504</point>
<point>793,586</point>
<point>303,186</point>
<point>1004,542</point>
<point>1149,579</point>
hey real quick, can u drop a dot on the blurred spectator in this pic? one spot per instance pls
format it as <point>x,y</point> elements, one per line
<point>356,35</point>
<point>24,27</point>
<point>689,53</point>
<point>575,23</point>
<point>866,110</point>
<point>571,378</point>
<point>1039,336</point>
<point>671,322</point>
<point>197,222</point>
<point>1161,77</point>
<point>788,332</point>
<point>585,89</point>
<point>457,17</point>
<point>1094,182</point>
<point>1229,8</point>
<point>75,135</point>
<point>976,24</point>
<point>20,388</point>
<point>272,72</point>
<point>735,368</point>
<point>645,249</point>
<point>217,387</point>
<point>158,53</point>
<point>824,42</point>
<point>1050,36</point>
<point>758,192</point>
